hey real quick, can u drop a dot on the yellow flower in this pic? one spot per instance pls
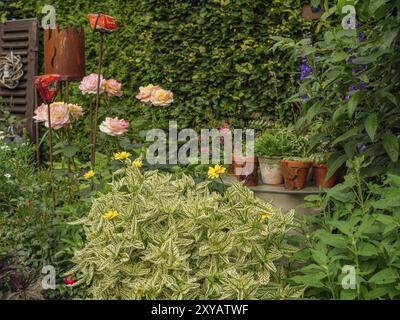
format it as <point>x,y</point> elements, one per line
<point>214,173</point>
<point>109,215</point>
<point>265,215</point>
<point>121,156</point>
<point>138,163</point>
<point>89,175</point>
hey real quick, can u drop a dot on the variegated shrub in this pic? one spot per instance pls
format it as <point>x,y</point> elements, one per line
<point>171,238</point>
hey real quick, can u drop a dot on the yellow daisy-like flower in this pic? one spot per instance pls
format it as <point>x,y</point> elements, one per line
<point>265,215</point>
<point>89,175</point>
<point>138,163</point>
<point>109,215</point>
<point>121,156</point>
<point>215,172</point>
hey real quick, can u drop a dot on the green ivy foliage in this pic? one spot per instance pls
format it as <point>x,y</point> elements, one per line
<point>215,55</point>
<point>174,239</point>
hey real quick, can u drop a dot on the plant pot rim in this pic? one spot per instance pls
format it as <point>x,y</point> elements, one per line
<point>319,165</point>
<point>297,163</point>
<point>270,158</point>
<point>248,158</point>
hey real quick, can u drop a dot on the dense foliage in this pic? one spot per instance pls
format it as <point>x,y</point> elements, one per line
<point>174,239</point>
<point>356,229</point>
<point>352,87</point>
<point>214,55</point>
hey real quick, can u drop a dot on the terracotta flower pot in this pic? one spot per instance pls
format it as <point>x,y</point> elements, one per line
<point>270,169</point>
<point>64,52</point>
<point>320,171</point>
<point>294,173</point>
<point>245,169</point>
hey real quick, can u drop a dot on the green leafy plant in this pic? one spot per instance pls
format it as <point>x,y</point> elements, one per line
<point>274,143</point>
<point>358,227</point>
<point>174,239</point>
<point>353,86</point>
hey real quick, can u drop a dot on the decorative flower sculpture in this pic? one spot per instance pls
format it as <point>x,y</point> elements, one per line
<point>102,23</point>
<point>48,86</point>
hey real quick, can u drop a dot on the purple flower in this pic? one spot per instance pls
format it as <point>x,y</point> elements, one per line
<point>360,35</point>
<point>305,68</point>
<point>361,147</point>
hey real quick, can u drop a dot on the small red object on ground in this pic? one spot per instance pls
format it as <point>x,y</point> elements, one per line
<point>48,86</point>
<point>102,22</point>
<point>69,280</point>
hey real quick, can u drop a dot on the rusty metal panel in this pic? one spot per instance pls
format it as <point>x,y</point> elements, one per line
<point>21,37</point>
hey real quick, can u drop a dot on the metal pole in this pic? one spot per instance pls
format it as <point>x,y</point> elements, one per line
<point>53,195</point>
<point>93,155</point>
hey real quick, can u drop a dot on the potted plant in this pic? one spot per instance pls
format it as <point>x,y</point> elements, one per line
<point>295,164</point>
<point>270,147</point>
<point>245,167</point>
<point>320,168</point>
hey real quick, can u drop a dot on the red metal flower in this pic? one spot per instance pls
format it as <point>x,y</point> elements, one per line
<point>69,280</point>
<point>102,22</point>
<point>48,86</point>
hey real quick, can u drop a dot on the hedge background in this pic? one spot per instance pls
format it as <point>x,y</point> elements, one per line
<point>214,55</point>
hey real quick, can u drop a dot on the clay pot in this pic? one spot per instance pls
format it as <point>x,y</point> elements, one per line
<point>294,173</point>
<point>245,169</point>
<point>64,53</point>
<point>320,171</point>
<point>312,13</point>
<point>270,169</point>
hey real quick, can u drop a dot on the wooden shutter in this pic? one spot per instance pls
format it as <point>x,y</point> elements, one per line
<point>21,37</point>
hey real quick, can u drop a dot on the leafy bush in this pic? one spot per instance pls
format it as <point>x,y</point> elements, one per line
<point>357,228</point>
<point>353,86</point>
<point>28,229</point>
<point>174,239</point>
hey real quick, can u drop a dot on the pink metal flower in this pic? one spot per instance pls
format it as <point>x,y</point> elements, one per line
<point>114,126</point>
<point>112,88</point>
<point>88,84</point>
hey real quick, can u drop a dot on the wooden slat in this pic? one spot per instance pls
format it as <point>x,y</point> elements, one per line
<point>20,36</point>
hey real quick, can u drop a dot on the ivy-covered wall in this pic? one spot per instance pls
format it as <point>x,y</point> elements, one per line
<point>214,54</point>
